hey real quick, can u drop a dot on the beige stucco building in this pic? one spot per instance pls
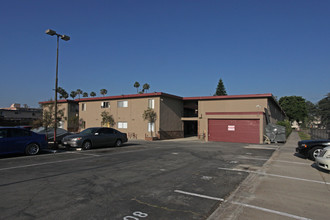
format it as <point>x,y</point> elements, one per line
<point>238,118</point>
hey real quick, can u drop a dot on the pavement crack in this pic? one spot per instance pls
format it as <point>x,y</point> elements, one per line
<point>168,209</point>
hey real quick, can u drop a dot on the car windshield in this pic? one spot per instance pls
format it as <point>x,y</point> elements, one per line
<point>89,131</point>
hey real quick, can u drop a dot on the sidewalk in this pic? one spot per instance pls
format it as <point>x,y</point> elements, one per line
<point>287,187</point>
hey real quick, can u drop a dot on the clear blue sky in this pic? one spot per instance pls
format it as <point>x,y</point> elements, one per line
<point>179,47</point>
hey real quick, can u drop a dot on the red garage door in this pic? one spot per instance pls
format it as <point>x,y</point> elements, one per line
<point>240,131</point>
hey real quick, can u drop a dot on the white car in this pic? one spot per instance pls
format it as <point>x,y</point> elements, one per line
<point>323,160</point>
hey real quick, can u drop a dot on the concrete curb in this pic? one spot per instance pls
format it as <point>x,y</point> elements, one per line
<point>243,194</point>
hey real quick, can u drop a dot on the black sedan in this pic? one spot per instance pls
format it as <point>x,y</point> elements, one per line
<point>95,137</point>
<point>311,148</point>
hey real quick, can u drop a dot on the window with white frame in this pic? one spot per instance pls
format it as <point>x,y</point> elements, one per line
<point>151,103</point>
<point>151,126</point>
<point>105,105</point>
<point>83,107</point>
<point>122,124</point>
<point>122,104</point>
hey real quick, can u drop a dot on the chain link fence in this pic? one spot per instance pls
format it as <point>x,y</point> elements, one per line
<point>317,133</point>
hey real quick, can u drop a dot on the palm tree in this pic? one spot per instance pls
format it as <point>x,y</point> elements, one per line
<point>137,85</point>
<point>73,94</point>
<point>92,94</point>
<point>62,92</point>
<point>79,92</point>
<point>85,94</point>
<point>103,92</point>
<point>146,87</point>
<point>65,95</point>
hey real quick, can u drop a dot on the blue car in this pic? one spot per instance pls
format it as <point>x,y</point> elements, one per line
<point>20,140</point>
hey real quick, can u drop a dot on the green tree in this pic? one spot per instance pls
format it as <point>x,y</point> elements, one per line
<point>107,119</point>
<point>312,113</point>
<point>220,89</point>
<point>48,116</point>
<point>146,87</point>
<point>150,116</point>
<point>103,92</point>
<point>294,107</point>
<point>137,85</point>
<point>324,111</point>
<point>62,93</point>
<point>79,92</point>
<point>85,94</point>
<point>73,94</point>
<point>92,94</point>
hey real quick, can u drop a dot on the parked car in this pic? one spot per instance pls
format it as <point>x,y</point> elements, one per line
<point>20,140</point>
<point>95,137</point>
<point>311,148</point>
<point>323,160</point>
<point>60,133</point>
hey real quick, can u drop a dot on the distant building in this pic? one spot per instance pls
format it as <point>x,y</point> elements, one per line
<point>16,115</point>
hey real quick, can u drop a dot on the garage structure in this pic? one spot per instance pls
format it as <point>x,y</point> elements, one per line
<point>236,118</point>
<point>238,130</point>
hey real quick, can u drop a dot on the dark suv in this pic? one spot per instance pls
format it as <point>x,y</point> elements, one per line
<point>311,148</point>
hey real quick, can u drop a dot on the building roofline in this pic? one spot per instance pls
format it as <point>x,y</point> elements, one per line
<point>266,95</point>
<point>144,95</point>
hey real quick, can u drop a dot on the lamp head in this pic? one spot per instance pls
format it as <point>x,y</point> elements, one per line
<point>65,37</point>
<point>50,32</point>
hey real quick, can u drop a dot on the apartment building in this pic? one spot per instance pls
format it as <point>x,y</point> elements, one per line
<point>237,118</point>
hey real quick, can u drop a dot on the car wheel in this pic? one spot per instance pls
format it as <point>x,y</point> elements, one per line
<point>314,152</point>
<point>118,143</point>
<point>32,149</point>
<point>86,145</point>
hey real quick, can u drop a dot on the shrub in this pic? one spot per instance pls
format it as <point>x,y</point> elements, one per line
<point>287,126</point>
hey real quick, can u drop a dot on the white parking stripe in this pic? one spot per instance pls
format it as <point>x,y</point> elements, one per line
<point>282,161</point>
<point>38,164</point>
<point>243,204</point>
<point>61,161</point>
<point>274,175</point>
<point>199,195</point>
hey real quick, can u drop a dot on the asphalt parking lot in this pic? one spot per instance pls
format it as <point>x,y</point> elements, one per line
<point>140,180</point>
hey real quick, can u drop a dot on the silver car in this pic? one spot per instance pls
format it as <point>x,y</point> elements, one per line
<point>95,137</point>
<point>323,160</point>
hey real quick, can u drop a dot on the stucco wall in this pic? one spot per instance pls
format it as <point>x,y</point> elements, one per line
<point>137,128</point>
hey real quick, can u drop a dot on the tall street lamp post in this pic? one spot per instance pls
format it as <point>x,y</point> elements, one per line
<point>66,38</point>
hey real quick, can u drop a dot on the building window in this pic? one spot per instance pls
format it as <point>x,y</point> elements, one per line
<point>83,107</point>
<point>122,125</point>
<point>122,104</point>
<point>151,126</point>
<point>105,105</point>
<point>151,103</point>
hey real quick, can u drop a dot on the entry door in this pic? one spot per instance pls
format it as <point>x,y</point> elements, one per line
<point>240,131</point>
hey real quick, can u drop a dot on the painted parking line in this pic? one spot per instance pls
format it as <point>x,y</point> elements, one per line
<point>243,204</point>
<point>282,161</point>
<point>88,156</point>
<point>38,164</point>
<point>273,175</point>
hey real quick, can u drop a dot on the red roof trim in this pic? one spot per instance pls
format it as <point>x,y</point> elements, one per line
<point>267,95</point>
<point>155,94</point>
